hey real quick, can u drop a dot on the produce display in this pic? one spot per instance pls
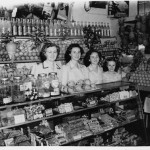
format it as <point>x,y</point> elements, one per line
<point>141,74</point>
<point>80,86</point>
<point>8,71</point>
<point>27,50</point>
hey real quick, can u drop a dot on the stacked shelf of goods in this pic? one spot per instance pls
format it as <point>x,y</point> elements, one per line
<point>91,104</point>
<point>142,75</point>
<point>75,125</point>
<point>107,47</point>
<point>27,52</point>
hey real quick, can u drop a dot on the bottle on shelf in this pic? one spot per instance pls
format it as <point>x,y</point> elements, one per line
<point>63,26</point>
<point>3,29</point>
<point>43,85</point>
<point>74,29</point>
<point>89,25</point>
<point>54,84</point>
<point>51,31</point>
<point>96,28</point>
<point>108,30</point>
<point>9,26</point>
<point>46,28</point>
<point>19,26</point>
<point>37,24</point>
<point>14,25</point>
<point>29,30</point>
<point>93,27</point>
<point>30,87</point>
<point>33,25</point>
<point>18,90</point>
<point>42,27</point>
<point>58,27</point>
<point>24,27</point>
<point>99,29</point>
<point>5,92</point>
<point>55,28</point>
<point>78,28</point>
<point>102,29</point>
<point>71,29</point>
<point>81,28</point>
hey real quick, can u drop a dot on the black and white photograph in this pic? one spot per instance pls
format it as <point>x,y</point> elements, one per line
<point>74,73</point>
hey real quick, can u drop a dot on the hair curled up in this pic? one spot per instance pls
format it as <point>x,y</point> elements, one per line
<point>69,49</point>
<point>87,57</point>
<point>105,68</point>
<point>46,46</point>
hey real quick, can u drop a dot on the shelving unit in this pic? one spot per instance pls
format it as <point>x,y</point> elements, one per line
<point>102,90</point>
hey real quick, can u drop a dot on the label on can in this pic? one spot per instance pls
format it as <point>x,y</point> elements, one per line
<point>7,100</point>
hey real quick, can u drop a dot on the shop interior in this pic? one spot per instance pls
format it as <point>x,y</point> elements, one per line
<point>50,93</point>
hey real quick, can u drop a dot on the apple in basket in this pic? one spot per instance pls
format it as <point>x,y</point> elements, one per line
<point>87,82</point>
<point>80,82</point>
<point>70,90</point>
<point>93,86</point>
<point>71,83</point>
<point>78,88</point>
<point>87,87</point>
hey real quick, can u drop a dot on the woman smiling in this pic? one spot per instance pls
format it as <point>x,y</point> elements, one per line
<point>73,70</point>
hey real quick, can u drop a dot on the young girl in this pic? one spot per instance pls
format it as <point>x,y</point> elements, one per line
<point>48,56</point>
<point>73,70</point>
<point>91,61</point>
<point>111,74</point>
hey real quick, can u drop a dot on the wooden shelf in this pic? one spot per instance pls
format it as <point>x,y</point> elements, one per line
<point>100,87</point>
<point>101,132</point>
<point>144,88</point>
<point>60,115</point>
<point>49,37</point>
<point>131,22</point>
<point>29,61</point>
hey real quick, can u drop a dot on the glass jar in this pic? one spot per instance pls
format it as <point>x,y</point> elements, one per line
<point>54,84</point>
<point>5,92</point>
<point>43,85</point>
<point>30,87</point>
<point>18,90</point>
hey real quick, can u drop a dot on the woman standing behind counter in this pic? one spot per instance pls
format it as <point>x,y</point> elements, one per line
<point>91,61</point>
<point>48,55</point>
<point>73,70</point>
<point>111,67</point>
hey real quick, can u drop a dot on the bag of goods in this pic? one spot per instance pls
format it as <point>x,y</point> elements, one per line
<point>19,115</point>
<point>7,117</point>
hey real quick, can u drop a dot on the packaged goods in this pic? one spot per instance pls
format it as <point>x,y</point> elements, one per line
<point>18,90</point>
<point>43,85</point>
<point>30,87</point>
<point>54,84</point>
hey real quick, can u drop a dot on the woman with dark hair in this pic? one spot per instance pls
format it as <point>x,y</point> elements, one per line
<point>73,70</point>
<point>48,55</point>
<point>92,62</point>
<point>111,67</point>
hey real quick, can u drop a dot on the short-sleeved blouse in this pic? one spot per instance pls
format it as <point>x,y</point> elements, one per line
<point>73,73</point>
<point>111,77</point>
<point>47,68</point>
<point>95,76</point>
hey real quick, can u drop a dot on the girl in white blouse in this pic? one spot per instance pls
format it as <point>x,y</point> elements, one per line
<point>48,55</point>
<point>73,70</point>
<point>92,60</point>
<point>111,74</point>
